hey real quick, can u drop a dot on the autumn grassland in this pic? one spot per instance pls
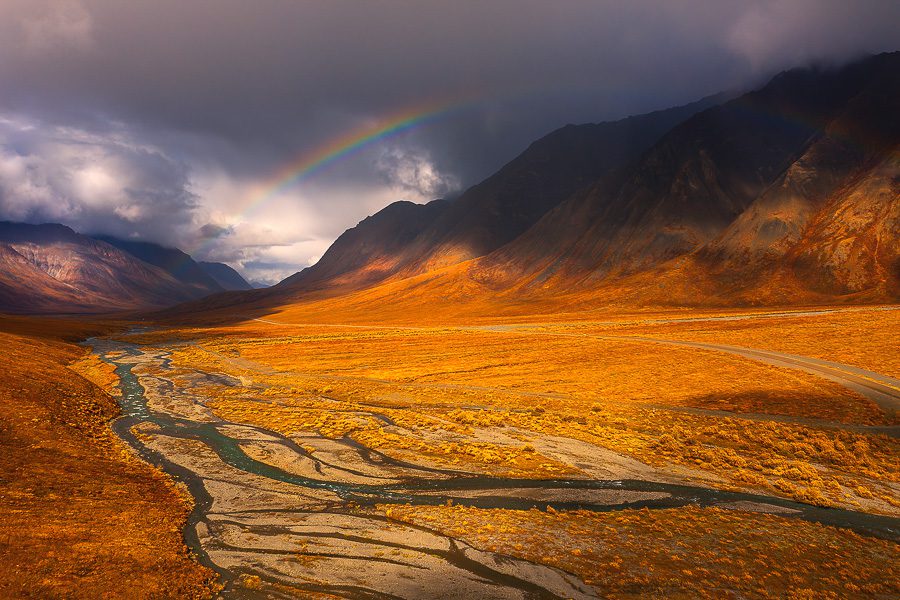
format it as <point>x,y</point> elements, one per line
<point>532,398</point>
<point>603,395</point>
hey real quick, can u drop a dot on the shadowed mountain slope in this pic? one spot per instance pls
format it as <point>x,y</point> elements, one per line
<point>740,185</point>
<point>405,239</point>
<point>502,207</point>
<point>227,278</point>
<point>172,260</point>
<point>831,222</point>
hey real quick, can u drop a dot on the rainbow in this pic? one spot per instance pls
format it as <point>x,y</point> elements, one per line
<point>348,144</point>
<point>339,148</point>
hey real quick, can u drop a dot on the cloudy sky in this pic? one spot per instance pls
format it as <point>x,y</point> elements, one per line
<point>175,120</point>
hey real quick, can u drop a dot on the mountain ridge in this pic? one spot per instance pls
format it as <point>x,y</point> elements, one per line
<point>787,194</point>
<point>176,262</point>
<point>50,268</point>
<point>227,277</point>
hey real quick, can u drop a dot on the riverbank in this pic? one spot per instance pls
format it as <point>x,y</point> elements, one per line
<point>80,515</point>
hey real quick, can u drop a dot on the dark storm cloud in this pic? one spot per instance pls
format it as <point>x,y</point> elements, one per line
<point>213,231</point>
<point>220,93</point>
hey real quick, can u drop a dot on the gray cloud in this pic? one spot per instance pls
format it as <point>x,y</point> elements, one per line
<point>211,231</point>
<point>414,170</point>
<point>165,119</point>
<point>108,182</point>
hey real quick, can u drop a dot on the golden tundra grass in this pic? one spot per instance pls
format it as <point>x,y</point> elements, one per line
<point>657,404</point>
<point>679,553</point>
<point>454,390</point>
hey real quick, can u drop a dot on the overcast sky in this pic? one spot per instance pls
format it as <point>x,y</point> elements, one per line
<point>165,119</point>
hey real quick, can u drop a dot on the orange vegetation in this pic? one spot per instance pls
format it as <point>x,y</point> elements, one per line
<point>478,398</point>
<point>679,553</point>
<point>99,373</point>
<point>486,397</point>
<point>861,337</point>
<point>80,516</point>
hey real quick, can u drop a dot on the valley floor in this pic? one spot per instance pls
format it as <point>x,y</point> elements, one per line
<point>633,455</point>
<point>670,454</point>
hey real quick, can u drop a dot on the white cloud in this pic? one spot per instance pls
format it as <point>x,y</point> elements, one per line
<point>110,182</point>
<point>411,170</point>
<point>269,233</point>
<point>25,190</point>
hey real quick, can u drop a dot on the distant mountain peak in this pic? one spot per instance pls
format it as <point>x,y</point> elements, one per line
<point>172,260</point>
<point>51,268</point>
<point>225,276</point>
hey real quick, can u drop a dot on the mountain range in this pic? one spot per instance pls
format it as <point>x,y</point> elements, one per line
<point>408,239</point>
<point>49,268</point>
<point>788,194</point>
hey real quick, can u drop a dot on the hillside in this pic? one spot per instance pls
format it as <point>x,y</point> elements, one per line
<point>225,276</point>
<point>404,240</point>
<point>176,263</point>
<point>51,268</point>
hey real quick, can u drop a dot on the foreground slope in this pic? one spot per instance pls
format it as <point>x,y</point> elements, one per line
<point>80,515</point>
